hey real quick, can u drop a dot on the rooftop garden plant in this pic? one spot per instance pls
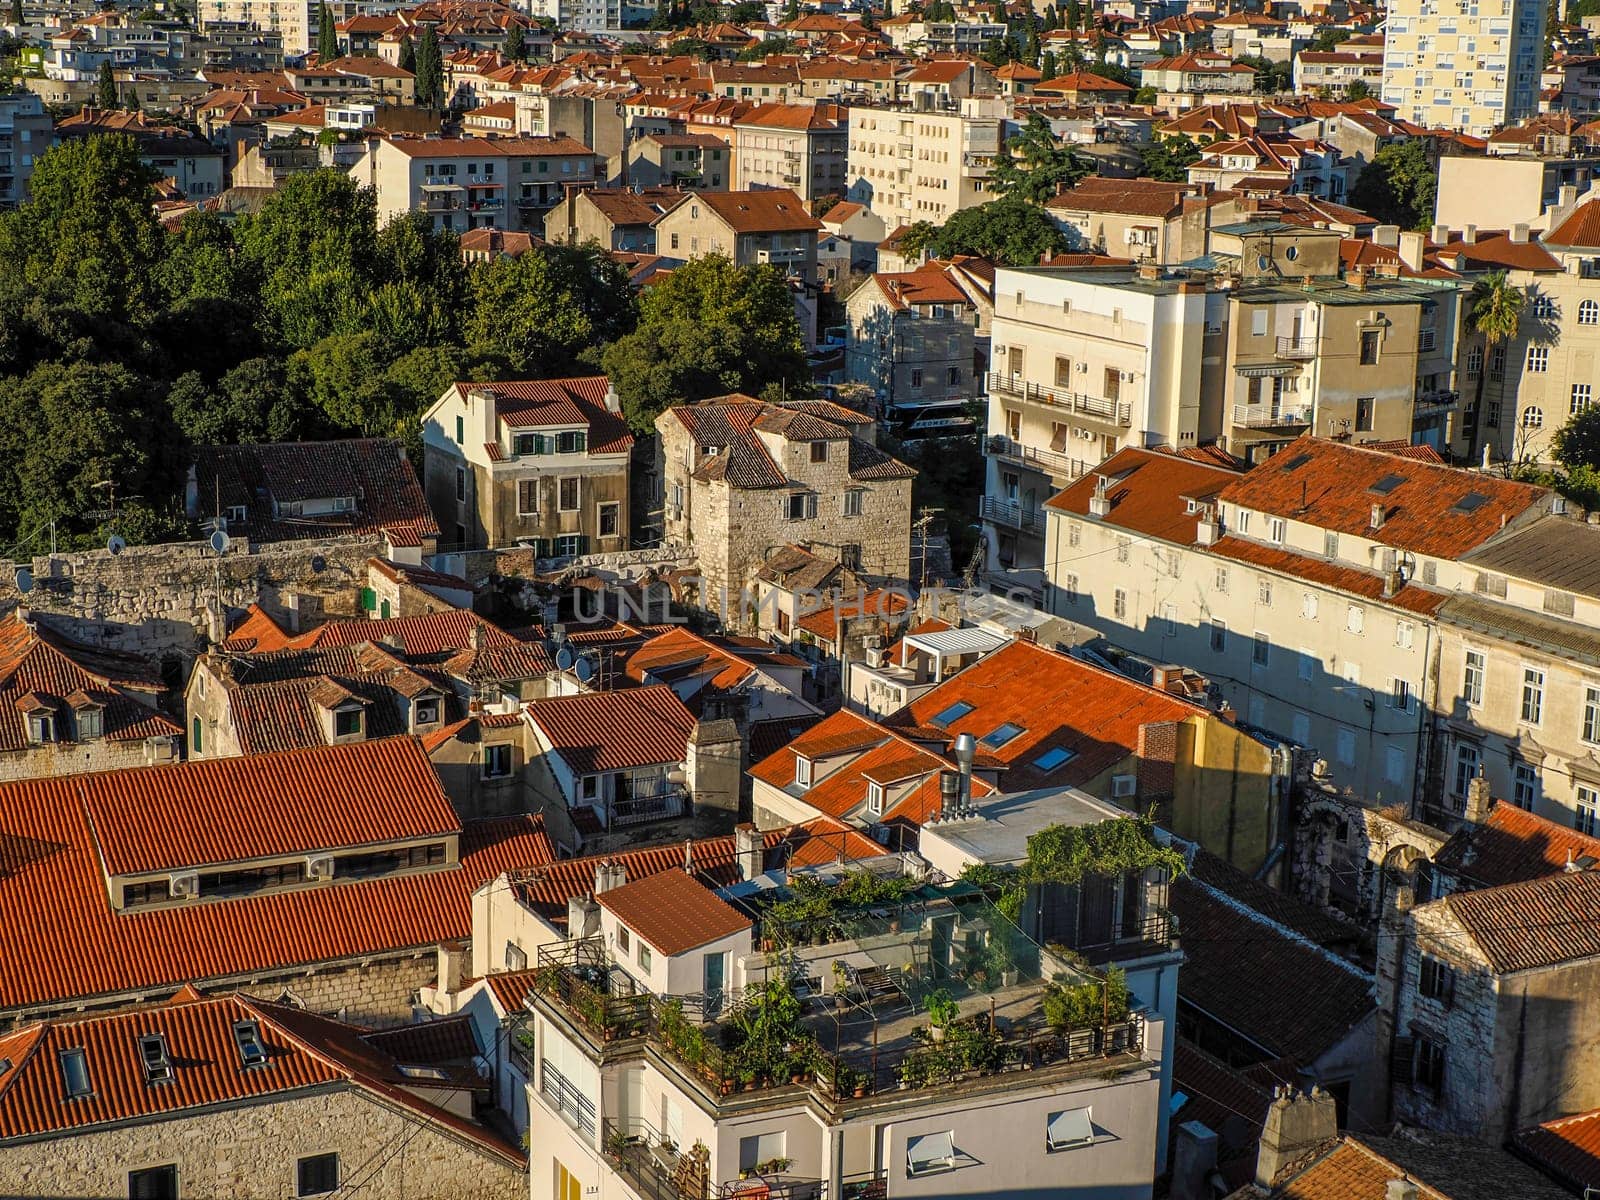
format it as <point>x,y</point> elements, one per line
<point>812,902</point>
<point>1088,1004</point>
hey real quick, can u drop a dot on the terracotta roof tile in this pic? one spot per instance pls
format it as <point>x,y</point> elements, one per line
<point>673,911</point>
<point>1581,229</point>
<point>614,731</point>
<point>1368,585</point>
<point>1522,926</point>
<point>1148,490</point>
<point>1513,846</point>
<point>531,403</point>
<point>1567,1149</point>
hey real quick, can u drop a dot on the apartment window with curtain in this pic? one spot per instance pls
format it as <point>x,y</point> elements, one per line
<point>1472,678</point>
<point>1532,695</point>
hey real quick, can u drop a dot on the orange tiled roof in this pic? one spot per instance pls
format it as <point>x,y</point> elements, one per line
<point>1540,923</point>
<point>1514,846</point>
<point>614,731</point>
<point>673,911</point>
<point>1580,229</point>
<point>1567,1149</point>
<point>532,403</point>
<point>1368,585</point>
<point>1147,491</point>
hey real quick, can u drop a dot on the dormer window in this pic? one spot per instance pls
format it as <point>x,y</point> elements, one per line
<point>91,723</point>
<point>41,728</point>
<point>155,1059</point>
<point>819,452</point>
<point>875,798</point>
<point>347,721</point>
<point>75,1073</point>
<point>802,771</point>
<point>426,710</point>
<point>247,1037</point>
<point>235,514</point>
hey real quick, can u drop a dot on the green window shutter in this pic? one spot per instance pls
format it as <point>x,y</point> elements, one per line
<point>581,441</point>
<point>541,444</point>
<point>194,741</point>
<point>369,600</point>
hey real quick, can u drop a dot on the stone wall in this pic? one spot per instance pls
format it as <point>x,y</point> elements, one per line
<point>73,758</point>
<point>251,1152</point>
<point>160,600</point>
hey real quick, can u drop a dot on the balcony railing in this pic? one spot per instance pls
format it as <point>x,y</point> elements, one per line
<point>1009,512</point>
<point>1434,404</point>
<point>1062,465</point>
<point>1299,349</point>
<point>1151,933</point>
<point>577,975</point>
<point>1271,416</point>
<point>1115,412</point>
<point>656,1169</point>
<point>654,805</point>
<point>567,1099</point>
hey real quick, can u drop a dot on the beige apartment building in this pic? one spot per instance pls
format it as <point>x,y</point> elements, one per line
<point>908,165</point>
<point>762,227</point>
<point>1310,589</point>
<point>295,20</point>
<point>540,463</point>
<point>1468,65</point>
<point>798,147</point>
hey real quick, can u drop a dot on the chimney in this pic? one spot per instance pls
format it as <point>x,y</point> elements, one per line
<point>1469,234</point>
<point>1296,1124</point>
<point>949,794</point>
<point>608,875</point>
<point>1400,1189</point>
<point>1386,235</point>
<point>1194,1160</point>
<point>452,962</point>
<point>1479,801</point>
<point>1412,248</point>
<point>1519,232</point>
<point>747,850</point>
<point>191,494</point>
<point>1358,279</point>
<point>1100,503</point>
<point>1376,517</point>
<point>1149,271</point>
<point>1440,235</point>
<point>966,746</point>
<point>613,401</point>
<point>712,769</point>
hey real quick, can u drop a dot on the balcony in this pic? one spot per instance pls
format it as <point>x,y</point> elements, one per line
<point>793,254</point>
<point>653,1167</point>
<point>565,1097</point>
<point>1061,466</point>
<point>1013,514</point>
<point>1271,416</point>
<point>1434,404</point>
<point>1115,412</point>
<point>1301,349</point>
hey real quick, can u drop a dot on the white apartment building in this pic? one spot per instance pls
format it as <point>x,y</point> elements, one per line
<point>1309,589</point>
<point>909,166</point>
<point>295,20</point>
<point>1469,65</point>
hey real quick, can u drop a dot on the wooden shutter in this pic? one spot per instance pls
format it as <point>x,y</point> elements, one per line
<point>1402,1060</point>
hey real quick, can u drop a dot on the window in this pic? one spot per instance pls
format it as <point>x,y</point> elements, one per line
<point>916,377</point>
<point>1345,747</point>
<point>1124,549</point>
<point>1582,397</point>
<point>852,502</point>
<point>1055,757</point>
<point>236,513</point>
<point>1589,313</point>
<point>954,713</point>
<point>1472,678</point>
<point>1308,605</point>
<point>91,723</point>
<point>802,770</point>
<point>529,443</point>
<point>1533,417</point>
<point>1068,1130</point>
<point>1474,362</point>
<point>317,1175</point>
<point>75,1073</point>
<point>624,939</point>
<point>1394,765</point>
<point>497,761</point>
<point>1538,360</point>
<point>1074,533</point>
<point>1400,695</point>
<point>461,430</point>
<point>1330,545</point>
<point>1258,322</point>
<point>1429,1069</point>
<point>1169,616</point>
<point>572,441</point>
<point>1365,407</point>
<point>1436,980</point>
<point>1306,664</point>
<point>1222,580</point>
<point>760,1149</point>
<point>874,797</point>
<point>1591,714</point>
<point>1300,728</point>
<point>1468,756</point>
<point>1584,819</point>
<point>800,506</point>
<point>1544,308</point>
<point>527,497</point>
<point>154,1058</point>
<point>1275,530</point>
<point>819,452</point>
<point>1355,618</point>
<point>1559,603</point>
<point>644,956</point>
<point>610,518</point>
<point>247,1037</point>
<point>1532,695</point>
<point>1260,650</point>
<point>1264,592</point>
<point>1219,635</point>
<point>930,1153</point>
<point>346,722</point>
<point>567,494</point>
<point>1526,786</point>
<point>1242,520</point>
<point>1371,339</point>
<point>1119,604</point>
<point>461,485</point>
<point>1000,735</point>
<point>154,1183</point>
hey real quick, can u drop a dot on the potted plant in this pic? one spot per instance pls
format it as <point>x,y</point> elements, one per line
<point>943,1010</point>
<point>616,1144</point>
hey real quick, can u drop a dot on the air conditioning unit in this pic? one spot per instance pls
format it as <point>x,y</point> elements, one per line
<point>319,866</point>
<point>1124,785</point>
<point>183,885</point>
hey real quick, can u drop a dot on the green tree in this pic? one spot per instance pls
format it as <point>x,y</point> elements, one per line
<point>327,35</point>
<point>709,328</point>
<point>543,309</point>
<point>1577,443</point>
<point>87,237</point>
<point>1168,160</point>
<point>791,10</point>
<point>408,55</point>
<point>16,12</point>
<point>1270,76</point>
<point>251,403</point>
<point>1494,313</point>
<point>1074,14</point>
<point>106,88</point>
<point>430,69</point>
<point>1329,37</point>
<point>1008,231</point>
<point>516,44</point>
<point>1398,186</point>
<point>1356,90</point>
<point>1034,165</point>
<point>344,378</point>
<point>312,253</point>
<point>1145,95</point>
<point>74,435</point>
<point>424,284</point>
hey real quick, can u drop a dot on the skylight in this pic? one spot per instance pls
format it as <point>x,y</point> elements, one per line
<point>1295,463</point>
<point>1000,735</point>
<point>1387,484</point>
<point>153,1056</point>
<point>954,713</point>
<point>411,1072</point>
<point>1471,502</point>
<point>75,1073</point>
<point>247,1036</point>
<point>1051,759</point>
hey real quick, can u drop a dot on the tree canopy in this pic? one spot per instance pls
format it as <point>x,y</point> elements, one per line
<point>1398,186</point>
<point>1035,165</point>
<point>1010,230</point>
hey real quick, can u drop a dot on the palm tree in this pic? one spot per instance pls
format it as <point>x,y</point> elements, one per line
<point>1494,312</point>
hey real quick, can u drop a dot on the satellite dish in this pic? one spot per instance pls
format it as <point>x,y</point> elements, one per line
<point>584,670</point>
<point>116,543</point>
<point>24,580</point>
<point>220,542</point>
<point>565,658</point>
<point>318,563</point>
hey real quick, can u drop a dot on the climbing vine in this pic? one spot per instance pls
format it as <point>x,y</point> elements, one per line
<point>1066,853</point>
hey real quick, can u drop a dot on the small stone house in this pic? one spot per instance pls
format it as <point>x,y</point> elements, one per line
<point>744,478</point>
<point>228,1096</point>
